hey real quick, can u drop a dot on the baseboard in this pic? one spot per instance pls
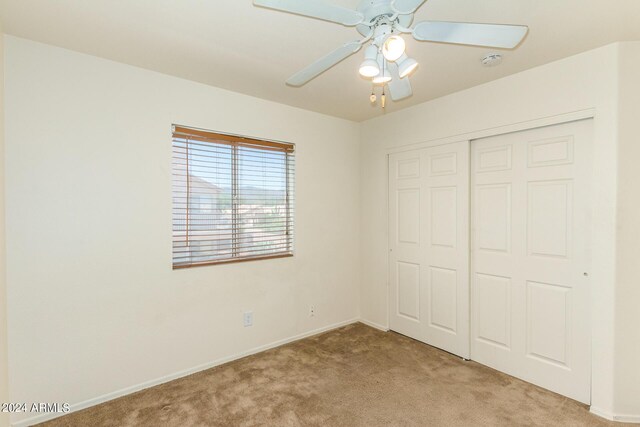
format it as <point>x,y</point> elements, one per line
<point>374,325</point>
<point>129,390</point>
<point>621,418</point>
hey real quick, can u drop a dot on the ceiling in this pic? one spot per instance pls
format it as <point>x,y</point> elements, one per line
<point>235,46</point>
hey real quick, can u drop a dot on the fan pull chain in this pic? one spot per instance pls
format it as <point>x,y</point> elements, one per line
<point>383,98</point>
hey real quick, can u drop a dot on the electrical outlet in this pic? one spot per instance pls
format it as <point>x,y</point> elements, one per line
<point>312,311</point>
<point>248,318</point>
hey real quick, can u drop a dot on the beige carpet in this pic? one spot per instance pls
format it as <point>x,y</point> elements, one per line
<point>353,376</point>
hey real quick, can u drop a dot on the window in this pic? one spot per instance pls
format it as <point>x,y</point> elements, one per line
<point>233,198</point>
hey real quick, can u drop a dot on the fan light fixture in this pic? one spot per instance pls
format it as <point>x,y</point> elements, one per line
<point>406,65</point>
<point>370,67</point>
<point>383,23</point>
<point>393,48</point>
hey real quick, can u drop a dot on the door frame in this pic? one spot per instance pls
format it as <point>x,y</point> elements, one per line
<point>469,137</point>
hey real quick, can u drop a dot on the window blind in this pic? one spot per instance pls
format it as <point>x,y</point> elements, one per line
<point>233,198</point>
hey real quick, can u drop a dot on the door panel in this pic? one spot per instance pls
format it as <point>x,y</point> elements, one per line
<point>409,216</point>
<point>429,245</point>
<point>444,206</point>
<point>530,228</point>
<point>493,305</point>
<point>494,217</point>
<point>408,290</point>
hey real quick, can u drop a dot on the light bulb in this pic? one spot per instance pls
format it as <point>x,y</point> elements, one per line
<point>383,76</point>
<point>373,98</point>
<point>406,66</point>
<point>393,48</point>
<point>369,67</point>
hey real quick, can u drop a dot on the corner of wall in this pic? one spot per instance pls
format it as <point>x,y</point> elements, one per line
<point>4,368</point>
<point>359,258</point>
<point>371,294</point>
<point>626,400</point>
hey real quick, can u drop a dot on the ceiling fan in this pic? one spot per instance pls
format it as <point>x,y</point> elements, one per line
<point>381,22</point>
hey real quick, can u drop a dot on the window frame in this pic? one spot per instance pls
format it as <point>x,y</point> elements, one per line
<point>236,141</point>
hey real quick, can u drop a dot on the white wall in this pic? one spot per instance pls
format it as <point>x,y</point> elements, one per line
<point>4,379</point>
<point>586,81</point>
<point>94,306</point>
<point>627,333</point>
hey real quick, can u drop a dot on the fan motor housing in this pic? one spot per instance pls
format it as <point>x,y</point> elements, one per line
<point>371,9</point>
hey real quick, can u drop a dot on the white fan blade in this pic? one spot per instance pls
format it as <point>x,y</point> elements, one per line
<point>323,64</point>
<point>314,9</point>
<point>491,35</point>
<point>406,7</point>
<point>398,88</point>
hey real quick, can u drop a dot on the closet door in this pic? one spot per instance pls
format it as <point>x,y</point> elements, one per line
<point>530,237</point>
<point>429,245</point>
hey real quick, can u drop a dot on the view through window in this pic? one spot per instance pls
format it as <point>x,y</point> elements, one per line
<point>233,198</point>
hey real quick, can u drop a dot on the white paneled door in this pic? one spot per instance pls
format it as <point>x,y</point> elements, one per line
<point>429,245</point>
<point>530,262</point>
